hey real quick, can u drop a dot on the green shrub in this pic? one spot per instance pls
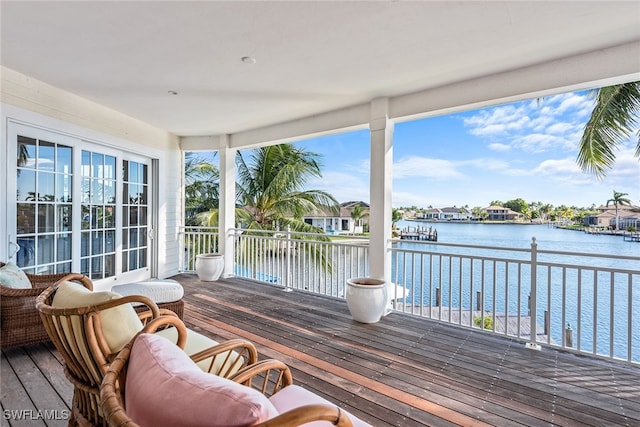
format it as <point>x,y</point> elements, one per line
<point>488,322</point>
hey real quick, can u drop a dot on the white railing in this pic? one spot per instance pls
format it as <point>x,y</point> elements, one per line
<point>195,241</point>
<point>303,261</point>
<point>481,287</point>
<point>490,288</point>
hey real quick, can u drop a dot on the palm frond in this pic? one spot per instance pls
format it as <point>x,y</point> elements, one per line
<point>614,115</point>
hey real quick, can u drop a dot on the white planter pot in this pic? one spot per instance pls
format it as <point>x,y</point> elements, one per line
<point>366,298</point>
<point>209,266</point>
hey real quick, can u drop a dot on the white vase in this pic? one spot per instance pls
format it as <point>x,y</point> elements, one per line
<point>366,298</point>
<point>209,267</point>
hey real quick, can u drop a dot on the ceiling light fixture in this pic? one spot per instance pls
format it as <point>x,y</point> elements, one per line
<point>248,60</point>
<point>172,92</point>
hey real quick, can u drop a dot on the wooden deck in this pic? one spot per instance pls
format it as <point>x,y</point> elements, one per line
<point>402,371</point>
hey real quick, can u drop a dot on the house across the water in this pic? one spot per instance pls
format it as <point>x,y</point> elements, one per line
<point>340,222</point>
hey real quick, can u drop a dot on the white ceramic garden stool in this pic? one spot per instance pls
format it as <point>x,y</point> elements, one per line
<point>209,267</point>
<point>367,299</point>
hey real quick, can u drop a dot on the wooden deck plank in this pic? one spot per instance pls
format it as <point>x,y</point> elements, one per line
<point>543,413</point>
<point>504,385</point>
<point>14,396</point>
<point>42,395</point>
<point>401,371</point>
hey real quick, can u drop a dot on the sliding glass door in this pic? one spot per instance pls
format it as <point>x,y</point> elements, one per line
<point>78,206</point>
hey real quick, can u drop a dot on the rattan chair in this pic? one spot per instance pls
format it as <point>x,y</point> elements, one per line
<point>268,376</point>
<point>19,319</point>
<point>77,334</point>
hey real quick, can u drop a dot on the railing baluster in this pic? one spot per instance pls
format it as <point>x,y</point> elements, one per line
<point>506,299</point>
<point>549,284</point>
<point>629,317</point>
<point>534,293</point>
<point>612,299</point>
<point>563,322</point>
<point>595,312</point>
<point>579,332</point>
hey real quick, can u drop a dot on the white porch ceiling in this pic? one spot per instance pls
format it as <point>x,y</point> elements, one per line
<point>311,57</point>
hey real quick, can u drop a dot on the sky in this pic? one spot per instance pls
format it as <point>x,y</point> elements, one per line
<point>522,150</point>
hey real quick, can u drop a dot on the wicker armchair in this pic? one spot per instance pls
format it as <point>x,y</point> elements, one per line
<point>19,319</point>
<point>268,377</point>
<point>79,336</point>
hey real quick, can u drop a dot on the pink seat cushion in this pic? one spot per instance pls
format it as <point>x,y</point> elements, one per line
<point>294,396</point>
<point>164,387</point>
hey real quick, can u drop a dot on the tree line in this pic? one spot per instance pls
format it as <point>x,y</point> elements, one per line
<point>539,210</point>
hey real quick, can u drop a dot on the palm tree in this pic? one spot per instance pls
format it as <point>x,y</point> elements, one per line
<point>270,196</point>
<point>270,188</point>
<point>269,191</point>
<point>545,210</point>
<point>612,119</point>
<point>357,213</point>
<point>396,215</point>
<point>618,199</point>
<point>202,180</point>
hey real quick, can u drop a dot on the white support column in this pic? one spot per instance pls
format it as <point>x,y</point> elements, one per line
<point>380,189</point>
<point>227,203</point>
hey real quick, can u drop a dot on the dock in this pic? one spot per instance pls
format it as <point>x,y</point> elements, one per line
<point>633,236</point>
<point>419,233</point>
<point>504,324</point>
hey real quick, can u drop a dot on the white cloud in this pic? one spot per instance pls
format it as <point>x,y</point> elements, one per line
<point>498,120</point>
<point>484,164</point>
<point>626,172</point>
<point>541,142</point>
<point>574,102</point>
<point>401,198</point>
<point>494,129</point>
<point>541,125</point>
<point>496,146</point>
<point>557,166</point>
<point>560,128</point>
<point>344,187</point>
<point>412,167</point>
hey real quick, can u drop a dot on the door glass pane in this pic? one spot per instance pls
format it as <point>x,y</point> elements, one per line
<point>63,188</point>
<point>43,212</point>
<point>110,265</point>
<point>46,156</point>
<point>46,186</point>
<point>110,241</point>
<point>45,249</point>
<point>134,205</point>
<point>64,247</point>
<point>26,218</point>
<point>26,185</point>
<point>85,244</point>
<point>98,214</point>
<point>63,159</point>
<point>26,152</point>
<point>46,218</point>
<point>64,217</point>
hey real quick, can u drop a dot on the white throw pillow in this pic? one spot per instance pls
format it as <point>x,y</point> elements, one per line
<point>12,277</point>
